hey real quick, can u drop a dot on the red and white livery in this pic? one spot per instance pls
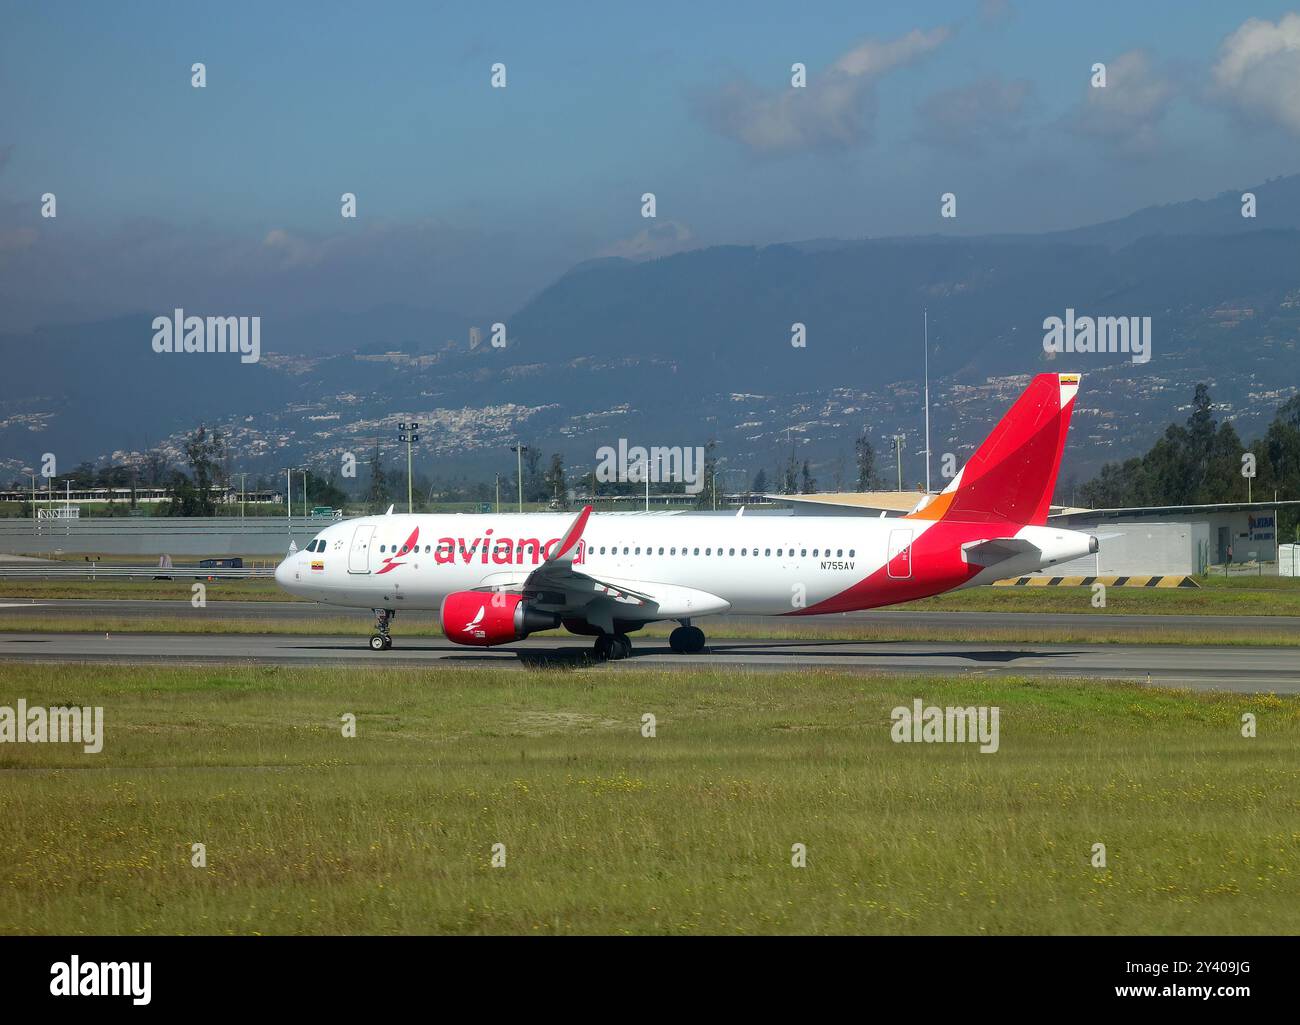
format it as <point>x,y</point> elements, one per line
<point>496,579</point>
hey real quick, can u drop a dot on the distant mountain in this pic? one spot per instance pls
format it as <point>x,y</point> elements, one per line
<point>1277,206</point>
<point>698,345</point>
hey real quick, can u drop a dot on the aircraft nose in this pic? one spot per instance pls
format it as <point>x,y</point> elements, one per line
<point>284,572</point>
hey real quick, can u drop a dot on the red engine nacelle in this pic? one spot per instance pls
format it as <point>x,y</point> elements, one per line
<point>484,618</point>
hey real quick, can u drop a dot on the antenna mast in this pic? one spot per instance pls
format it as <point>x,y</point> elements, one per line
<point>925,328</point>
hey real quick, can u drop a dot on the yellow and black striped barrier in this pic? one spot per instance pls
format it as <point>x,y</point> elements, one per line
<point>1168,580</point>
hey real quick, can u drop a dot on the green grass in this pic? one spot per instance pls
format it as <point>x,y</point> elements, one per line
<point>179,589</point>
<point>1253,596</point>
<point>610,832</point>
<point>424,625</point>
<point>1238,596</point>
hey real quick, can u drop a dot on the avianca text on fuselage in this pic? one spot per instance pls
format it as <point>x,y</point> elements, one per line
<point>487,550</point>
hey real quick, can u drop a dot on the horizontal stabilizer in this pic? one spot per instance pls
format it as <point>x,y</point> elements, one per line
<point>990,553</point>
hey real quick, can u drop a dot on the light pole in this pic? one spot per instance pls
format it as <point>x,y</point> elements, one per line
<point>243,493</point>
<point>498,505</point>
<point>925,327</point>
<point>409,434</point>
<point>645,470</point>
<point>518,450</point>
<point>718,471</point>
<point>898,455</point>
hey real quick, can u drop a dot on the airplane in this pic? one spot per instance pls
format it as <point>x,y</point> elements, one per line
<point>497,579</point>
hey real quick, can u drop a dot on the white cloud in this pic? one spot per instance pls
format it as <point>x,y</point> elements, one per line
<point>1127,111</point>
<point>660,239</point>
<point>1258,70</point>
<point>293,250</point>
<point>835,110</point>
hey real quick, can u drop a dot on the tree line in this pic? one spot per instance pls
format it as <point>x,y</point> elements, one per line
<point>1200,462</point>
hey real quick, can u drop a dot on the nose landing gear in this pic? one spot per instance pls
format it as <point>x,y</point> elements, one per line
<point>379,640</point>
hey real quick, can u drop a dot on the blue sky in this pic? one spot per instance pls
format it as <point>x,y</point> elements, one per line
<point>473,198</point>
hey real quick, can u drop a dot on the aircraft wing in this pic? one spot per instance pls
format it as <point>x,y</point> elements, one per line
<point>557,586</point>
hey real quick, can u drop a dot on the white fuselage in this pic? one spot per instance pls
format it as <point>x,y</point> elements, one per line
<point>694,565</point>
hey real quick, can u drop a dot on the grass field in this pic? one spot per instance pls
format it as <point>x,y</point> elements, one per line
<point>180,589</point>
<point>1234,596</point>
<point>607,831</point>
<point>424,625</point>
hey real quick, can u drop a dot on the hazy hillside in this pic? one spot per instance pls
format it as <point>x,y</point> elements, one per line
<point>698,345</point>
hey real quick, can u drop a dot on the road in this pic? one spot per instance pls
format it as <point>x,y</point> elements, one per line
<point>1238,669</point>
<point>142,609</point>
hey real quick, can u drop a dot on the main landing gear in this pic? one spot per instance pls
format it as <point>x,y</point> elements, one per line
<point>686,640</point>
<point>609,647</point>
<point>379,640</point>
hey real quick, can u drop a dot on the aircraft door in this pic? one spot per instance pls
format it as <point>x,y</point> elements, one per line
<point>899,564</point>
<point>359,554</point>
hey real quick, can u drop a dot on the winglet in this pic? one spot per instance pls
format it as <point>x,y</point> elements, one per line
<point>568,546</point>
<point>390,511</point>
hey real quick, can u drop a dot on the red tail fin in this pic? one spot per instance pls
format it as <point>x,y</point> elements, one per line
<point>1011,477</point>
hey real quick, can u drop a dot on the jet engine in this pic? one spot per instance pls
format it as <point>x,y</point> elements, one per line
<point>484,618</point>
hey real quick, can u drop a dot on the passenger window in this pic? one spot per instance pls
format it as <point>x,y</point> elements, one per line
<point>661,551</point>
<point>839,553</point>
<point>697,551</point>
<point>708,551</point>
<point>767,552</point>
<point>382,549</point>
<point>731,551</point>
<point>814,553</point>
<point>744,551</point>
<point>671,551</point>
<point>803,552</point>
<point>638,551</point>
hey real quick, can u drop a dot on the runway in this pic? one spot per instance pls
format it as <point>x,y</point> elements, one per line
<point>143,609</point>
<point>1237,669</point>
